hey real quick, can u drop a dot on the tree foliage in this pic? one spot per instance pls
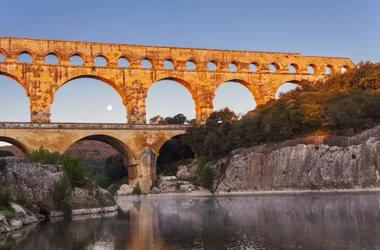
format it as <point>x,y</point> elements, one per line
<point>343,104</point>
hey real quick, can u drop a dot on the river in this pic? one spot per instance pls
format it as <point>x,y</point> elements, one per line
<point>303,221</point>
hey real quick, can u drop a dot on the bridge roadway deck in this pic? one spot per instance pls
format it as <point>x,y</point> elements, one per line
<point>89,126</point>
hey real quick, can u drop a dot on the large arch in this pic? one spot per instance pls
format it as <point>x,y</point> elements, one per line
<point>286,87</point>
<point>173,151</point>
<point>185,84</point>
<point>110,83</point>
<point>15,143</point>
<point>12,102</point>
<point>255,95</point>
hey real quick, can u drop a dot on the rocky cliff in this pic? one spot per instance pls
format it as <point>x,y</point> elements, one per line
<point>34,184</point>
<point>302,167</point>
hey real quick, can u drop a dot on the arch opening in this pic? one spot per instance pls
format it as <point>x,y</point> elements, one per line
<point>106,158</point>
<point>123,62</point>
<point>312,69</point>
<point>286,87</point>
<point>273,67</point>
<point>76,60</point>
<point>344,69</point>
<point>190,65</point>
<point>75,101</point>
<point>14,103</point>
<point>236,95</point>
<point>212,65</point>
<point>170,97</point>
<point>146,63</point>
<point>172,154</point>
<point>2,57</point>
<point>169,64</point>
<point>25,57</point>
<point>51,58</point>
<point>293,68</point>
<point>253,67</point>
<point>329,69</point>
<point>233,66</point>
<point>100,61</point>
<point>12,147</point>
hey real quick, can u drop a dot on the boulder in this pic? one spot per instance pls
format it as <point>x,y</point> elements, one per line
<point>125,189</point>
<point>187,171</point>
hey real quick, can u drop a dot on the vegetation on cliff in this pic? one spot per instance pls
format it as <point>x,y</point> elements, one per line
<point>343,104</point>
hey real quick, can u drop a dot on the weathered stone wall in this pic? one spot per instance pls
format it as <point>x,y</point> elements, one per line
<point>41,81</point>
<point>300,167</point>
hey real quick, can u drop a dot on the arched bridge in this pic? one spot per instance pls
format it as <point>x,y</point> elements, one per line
<point>138,144</point>
<point>187,66</point>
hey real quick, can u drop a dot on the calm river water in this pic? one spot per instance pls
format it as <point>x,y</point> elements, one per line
<point>308,221</point>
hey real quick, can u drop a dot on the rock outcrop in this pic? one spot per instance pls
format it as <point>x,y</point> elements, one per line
<point>21,217</point>
<point>34,183</point>
<point>303,167</point>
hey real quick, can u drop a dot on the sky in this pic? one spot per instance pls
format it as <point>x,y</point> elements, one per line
<point>323,28</point>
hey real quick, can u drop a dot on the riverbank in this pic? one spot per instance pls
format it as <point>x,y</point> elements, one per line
<point>253,193</point>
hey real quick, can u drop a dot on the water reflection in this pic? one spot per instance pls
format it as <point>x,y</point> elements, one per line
<point>318,221</point>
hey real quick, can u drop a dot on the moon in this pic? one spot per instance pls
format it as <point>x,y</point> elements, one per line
<point>109,107</point>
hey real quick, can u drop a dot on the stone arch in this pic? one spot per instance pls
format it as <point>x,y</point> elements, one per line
<point>15,143</point>
<point>254,67</point>
<point>215,62</point>
<point>172,61</point>
<point>103,57</point>
<point>234,64</point>
<point>295,67</point>
<point>53,53</point>
<point>172,149</point>
<point>251,88</point>
<point>276,67</point>
<point>149,59</point>
<point>112,84</point>
<point>193,61</point>
<point>126,58</point>
<point>313,67</point>
<point>80,54</point>
<point>26,88</point>
<point>185,84</point>
<point>26,52</point>
<point>283,83</point>
<point>330,68</point>
<point>118,145</point>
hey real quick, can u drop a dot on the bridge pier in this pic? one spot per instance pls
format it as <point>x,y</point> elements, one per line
<point>145,172</point>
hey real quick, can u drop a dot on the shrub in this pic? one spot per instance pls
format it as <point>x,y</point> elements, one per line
<point>137,189</point>
<point>207,178</point>
<point>76,173</point>
<point>61,190</point>
<point>5,196</point>
<point>44,156</point>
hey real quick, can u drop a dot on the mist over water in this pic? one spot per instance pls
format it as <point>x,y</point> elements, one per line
<point>308,221</point>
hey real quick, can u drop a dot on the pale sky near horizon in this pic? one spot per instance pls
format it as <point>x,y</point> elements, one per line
<point>325,28</point>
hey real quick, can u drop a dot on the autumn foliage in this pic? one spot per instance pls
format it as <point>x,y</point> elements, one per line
<point>343,104</point>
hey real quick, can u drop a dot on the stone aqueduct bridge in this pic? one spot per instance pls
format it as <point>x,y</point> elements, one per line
<point>41,81</point>
<point>139,144</point>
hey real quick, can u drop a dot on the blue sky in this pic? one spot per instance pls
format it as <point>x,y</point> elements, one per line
<point>327,28</point>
